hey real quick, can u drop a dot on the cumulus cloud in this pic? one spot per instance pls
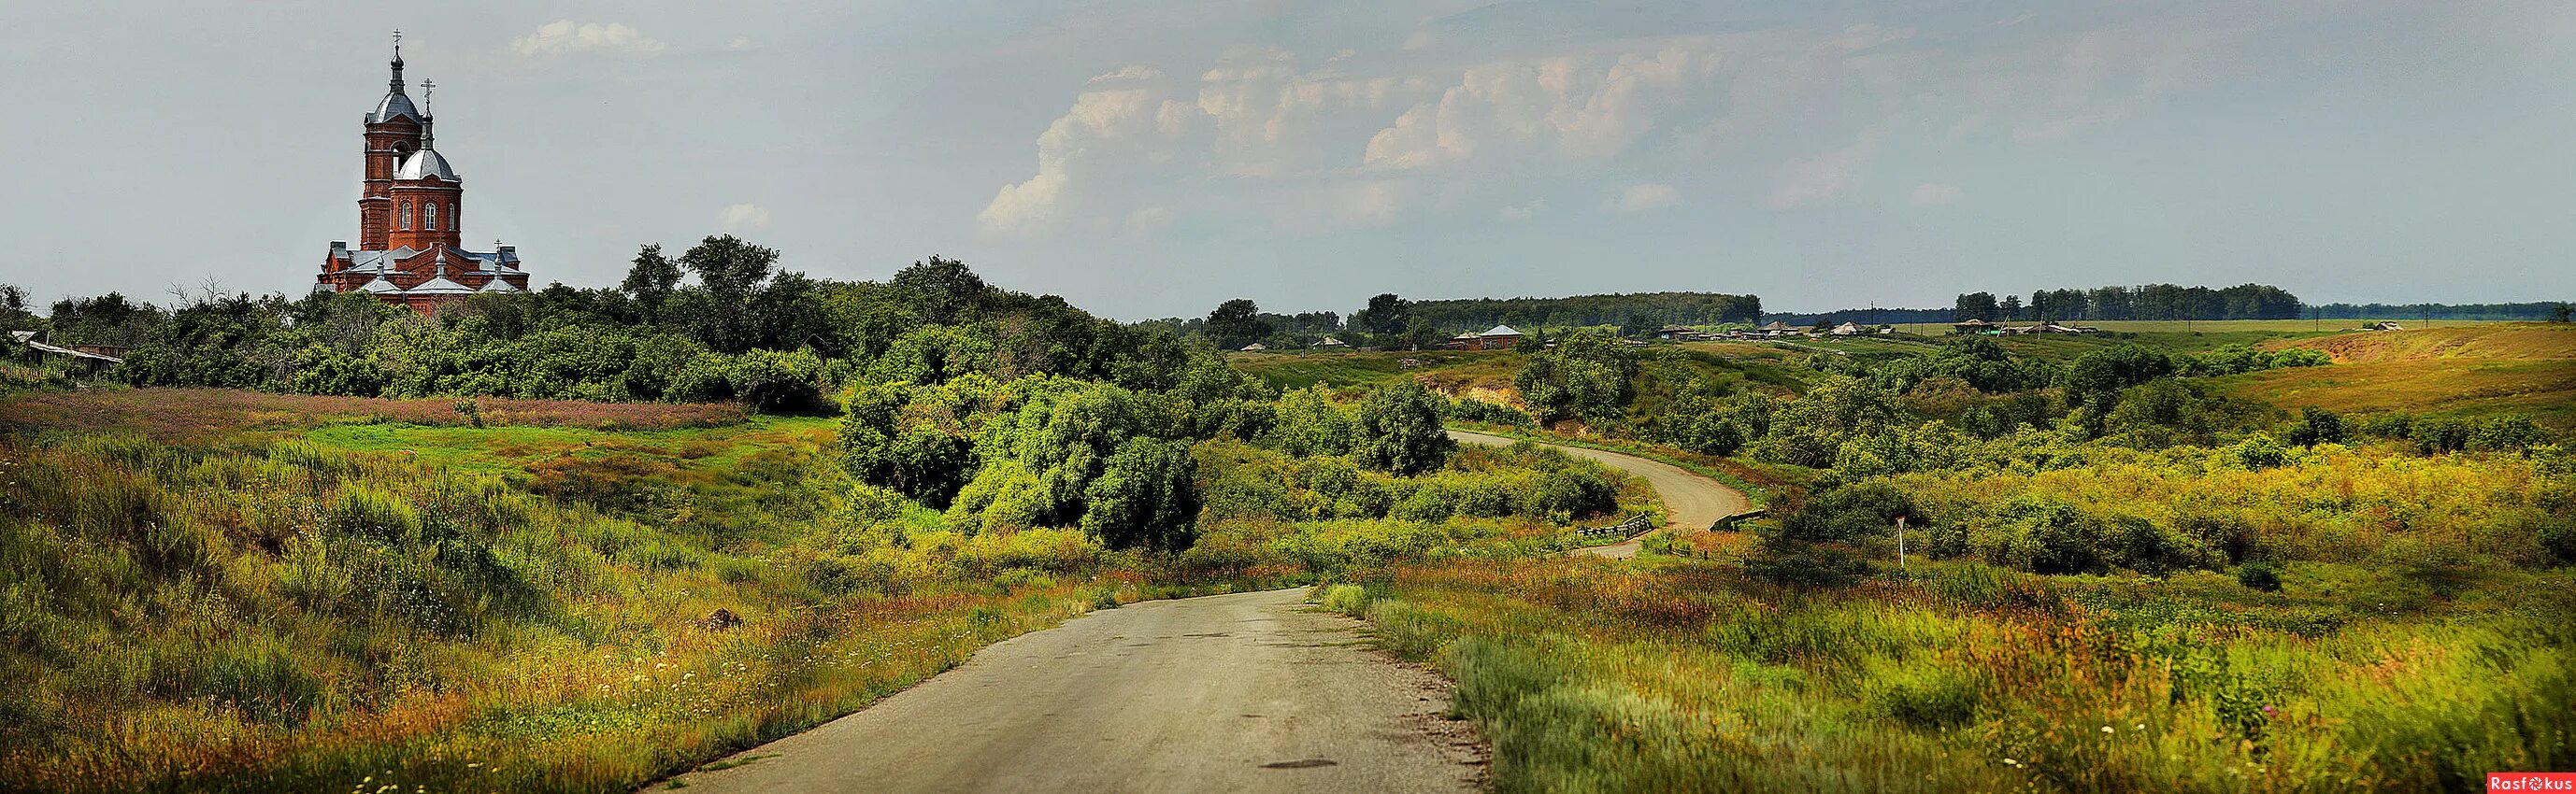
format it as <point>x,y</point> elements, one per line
<point>564,36</point>
<point>1934,194</point>
<point>1606,102</point>
<point>1361,138</point>
<point>1126,126</point>
<point>1641,197</point>
<point>742,217</point>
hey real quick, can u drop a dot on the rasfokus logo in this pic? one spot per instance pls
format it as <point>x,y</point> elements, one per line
<point>2531,781</point>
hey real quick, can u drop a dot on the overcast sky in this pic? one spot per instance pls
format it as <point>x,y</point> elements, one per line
<point>1155,157</point>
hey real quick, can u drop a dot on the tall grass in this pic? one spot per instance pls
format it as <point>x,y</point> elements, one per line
<point>1590,676</point>
<point>302,618</point>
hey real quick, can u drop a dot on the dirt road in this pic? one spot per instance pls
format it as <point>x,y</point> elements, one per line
<point>1249,692</point>
<point>1690,501</point>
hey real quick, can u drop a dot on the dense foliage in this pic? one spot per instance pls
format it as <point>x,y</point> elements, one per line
<point>1590,310</point>
<point>2149,302</point>
<point>722,321</point>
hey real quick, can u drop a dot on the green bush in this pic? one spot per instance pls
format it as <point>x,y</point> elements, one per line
<point>2259,575</point>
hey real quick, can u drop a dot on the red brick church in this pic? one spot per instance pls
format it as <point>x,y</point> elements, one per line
<point>409,250</point>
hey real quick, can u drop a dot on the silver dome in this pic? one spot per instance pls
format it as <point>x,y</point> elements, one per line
<point>395,105</point>
<point>426,163</point>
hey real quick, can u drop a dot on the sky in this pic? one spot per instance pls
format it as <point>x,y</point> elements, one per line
<point>1151,158</point>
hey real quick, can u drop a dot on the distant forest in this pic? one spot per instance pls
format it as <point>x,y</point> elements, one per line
<point>1657,308</point>
<point>2149,302</point>
<point>2536,310</point>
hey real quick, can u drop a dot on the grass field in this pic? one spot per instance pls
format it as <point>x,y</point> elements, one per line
<point>1451,368</point>
<point>2483,370</point>
<point>1674,675</point>
<point>229,591</point>
<point>2309,327</point>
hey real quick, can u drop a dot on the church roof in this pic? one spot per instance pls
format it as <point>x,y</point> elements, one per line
<point>394,106</point>
<point>439,286</point>
<point>380,285</point>
<point>503,261</point>
<point>498,285</point>
<point>426,163</point>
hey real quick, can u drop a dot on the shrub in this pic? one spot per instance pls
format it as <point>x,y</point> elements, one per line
<point>2557,535</point>
<point>1144,496</point>
<point>2259,575</point>
<point>2258,451</point>
<point>1928,696</point>
<point>1397,430</point>
<point>774,382</point>
<point>2038,534</point>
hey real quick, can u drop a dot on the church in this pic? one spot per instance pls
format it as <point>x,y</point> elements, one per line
<point>410,212</point>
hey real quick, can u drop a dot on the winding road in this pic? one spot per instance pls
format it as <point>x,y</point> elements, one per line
<point>1690,501</point>
<point>1251,692</point>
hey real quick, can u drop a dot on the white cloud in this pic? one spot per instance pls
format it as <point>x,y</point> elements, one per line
<point>1601,102</point>
<point>564,36</point>
<point>742,217</point>
<point>1641,197</point>
<point>1933,194</point>
<point>1125,128</point>
<point>1259,135</point>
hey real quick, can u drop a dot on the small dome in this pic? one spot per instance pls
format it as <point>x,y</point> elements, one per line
<point>394,106</point>
<point>426,163</point>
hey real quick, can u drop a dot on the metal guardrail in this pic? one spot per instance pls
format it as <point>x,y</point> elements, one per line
<point>1728,523</point>
<point>1633,525</point>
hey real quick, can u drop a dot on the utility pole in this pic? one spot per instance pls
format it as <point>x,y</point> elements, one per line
<point>1900,544</point>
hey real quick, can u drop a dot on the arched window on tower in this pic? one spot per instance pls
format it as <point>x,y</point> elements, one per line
<point>406,216</point>
<point>451,217</point>
<point>429,216</point>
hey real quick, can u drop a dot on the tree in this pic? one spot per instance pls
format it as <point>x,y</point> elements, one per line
<point>1145,496</point>
<point>1386,315</point>
<point>2096,378</point>
<point>1975,306</point>
<point>731,274</point>
<point>1585,376</point>
<point>651,281</point>
<point>943,291</point>
<point>1420,333</point>
<point>1236,323</point>
<point>2010,309</point>
<point>2559,313</point>
<point>1309,424</point>
<point>1398,430</point>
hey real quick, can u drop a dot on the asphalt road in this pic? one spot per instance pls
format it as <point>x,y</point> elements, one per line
<point>1690,501</point>
<point>1251,692</point>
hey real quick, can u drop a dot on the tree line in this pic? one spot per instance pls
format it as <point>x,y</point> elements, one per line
<point>2148,302</point>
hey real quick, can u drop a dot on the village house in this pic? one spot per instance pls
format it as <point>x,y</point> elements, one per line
<point>1500,337</point>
